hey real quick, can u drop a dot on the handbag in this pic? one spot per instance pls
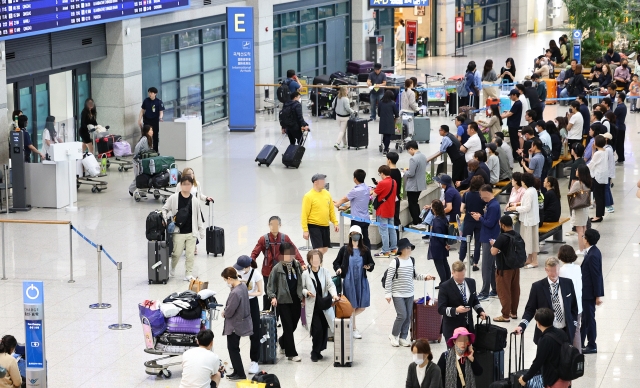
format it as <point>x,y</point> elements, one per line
<point>197,285</point>
<point>154,317</point>
<point>376,203</point>
<point>343,307</point>
<point>323,302</point>
<point>337,281</point>
<point>579,199</point>
<point>490,337</point>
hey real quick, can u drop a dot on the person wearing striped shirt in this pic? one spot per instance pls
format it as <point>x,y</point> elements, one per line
<point>399,287</point>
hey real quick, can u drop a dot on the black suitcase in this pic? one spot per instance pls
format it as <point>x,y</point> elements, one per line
<point>363,77</point>
<point>158,259</point>
<point>453,106</point>
<point>292,157</point>
<point>512,377</point>
<point>214,236</point>
<point>490,337</point>
<point>269,340</point>
<point>160,180</point>
<point>357,133</point>
<point>492,366</point>
<point>268,153</point>
<point>338,74</point>
<point>322,80</point>
<point>344,82</point>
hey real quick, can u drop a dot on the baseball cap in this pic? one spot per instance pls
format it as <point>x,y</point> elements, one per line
<point>514,91</point>
<point>317,177</point>
<point>243,262</point>
<point>607,135</point>
<point>355,229</point>
<point>443,179</point>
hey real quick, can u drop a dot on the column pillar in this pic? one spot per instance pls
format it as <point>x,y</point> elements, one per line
<point>263,48</point>
<point>4,114</point>
<point>445,23</point>
<point>362,27</point>
<point>519,16</point>
<point>116,80</point>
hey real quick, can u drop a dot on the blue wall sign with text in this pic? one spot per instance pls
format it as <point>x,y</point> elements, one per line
<point>241,66</point>
<point>33,302</point>
<point>398,3</point>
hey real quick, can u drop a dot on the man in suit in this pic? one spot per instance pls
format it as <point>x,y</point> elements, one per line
<point>415,181</point>
<point>555,293</point>
<point>456,298</point>
<point>592,290</point>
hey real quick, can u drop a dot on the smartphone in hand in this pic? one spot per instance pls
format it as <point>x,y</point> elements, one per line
<point>375,182</point>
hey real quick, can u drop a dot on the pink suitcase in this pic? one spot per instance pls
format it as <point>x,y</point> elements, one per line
<point>180,325</point>
<point>426,322</point>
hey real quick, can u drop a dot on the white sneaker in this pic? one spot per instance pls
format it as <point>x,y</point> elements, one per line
<point>187,278</point>
<point>419,226</point>
<point>336,146</point>
<point>295,359</point>
<point>394,340</point>
<point>570,233</point>
<point>254,368</point>
<point>404,342</point>
<point>172,272</point>
<point>357,335</point>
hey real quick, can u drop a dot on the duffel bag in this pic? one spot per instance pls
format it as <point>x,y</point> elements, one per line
<point>161,180</point>
<point>121,148</point>
<point>143,181</point>
<point>157,164</point>
<point>490,337</point>
<point>91,165</point>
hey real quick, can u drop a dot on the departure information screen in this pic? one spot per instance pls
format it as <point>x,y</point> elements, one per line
<point>21,18</point>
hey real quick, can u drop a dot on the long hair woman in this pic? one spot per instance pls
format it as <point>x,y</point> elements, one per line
<point>12,379</point>
<point>87,117</point>
<point>343,111</point>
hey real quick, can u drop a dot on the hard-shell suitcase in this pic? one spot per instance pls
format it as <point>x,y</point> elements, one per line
<point>468,110</point>
<point>552,90</point>
<point>421,129</point>
<point>426,322</point>
<point>453,106</point>
<point>158,257</point>
<point>492,101</point>
<point>363,77</point>
<point>343,342</point>
<point>357,133</point>
<point>104,144</point>
<point>269,340</point>
<point>359,67</point>
<point>322,80</point>
<point>505,103</point>
<point>186,326</point>
<point>492,367</point>
<point>214,236</point>
<point>512,376</point>
<point>268,153</point>
<point>292,157</point>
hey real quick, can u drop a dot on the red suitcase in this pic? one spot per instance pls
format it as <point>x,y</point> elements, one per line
<point>426,322</point>
<point>492,101</point>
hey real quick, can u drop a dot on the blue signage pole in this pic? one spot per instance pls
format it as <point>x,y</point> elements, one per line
<point>33,301</point>
<point>577,45</point>
<point>241,67</point>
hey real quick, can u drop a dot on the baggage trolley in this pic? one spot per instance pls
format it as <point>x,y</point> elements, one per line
<point>154,367</point>
<point>123,164</point>
<point>399,140</point>
<point>437,99</point>
<point>96,185</point>
<point>158,193</point>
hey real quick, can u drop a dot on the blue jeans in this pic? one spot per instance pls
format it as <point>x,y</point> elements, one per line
<point>404,310</point>
<point>374,99</point>
<point>388,235</point>
<point>564,93</point>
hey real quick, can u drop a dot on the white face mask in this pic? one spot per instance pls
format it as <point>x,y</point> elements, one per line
<point>418,358</point>
<point>229,285</point>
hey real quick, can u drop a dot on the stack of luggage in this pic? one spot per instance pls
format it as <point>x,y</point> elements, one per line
<point>155,172</point>
<point>491,340</point>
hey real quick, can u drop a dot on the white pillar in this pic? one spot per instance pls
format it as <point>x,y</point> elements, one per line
<point>362,27</point>
<point>446,36</point>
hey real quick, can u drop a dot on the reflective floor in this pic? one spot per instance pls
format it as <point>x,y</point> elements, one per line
<point>83,352</point>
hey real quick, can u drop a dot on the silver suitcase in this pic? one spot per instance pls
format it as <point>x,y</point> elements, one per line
<point>343,342</point>
<point>158,258</point>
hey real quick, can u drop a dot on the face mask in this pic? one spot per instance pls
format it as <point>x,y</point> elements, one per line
<point>624,65</point>
<point>355,237</point>
<point>229,285</point>
<point>418,358</point>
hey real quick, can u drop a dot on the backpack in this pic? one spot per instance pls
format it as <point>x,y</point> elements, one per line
<point>516,255</point>
<point>270,380</point>
<point>267,243</point>
<point>287,116</point>
<point>384,276</point>
<point>155,226</point>
<point>461,89</point>
<point>284,93</point>
<point>548,157</point>
<point>571,364</point>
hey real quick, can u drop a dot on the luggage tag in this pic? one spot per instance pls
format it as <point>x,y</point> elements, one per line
<point>173,175</point>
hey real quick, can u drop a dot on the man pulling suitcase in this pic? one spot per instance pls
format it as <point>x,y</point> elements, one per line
<point>291,119</point>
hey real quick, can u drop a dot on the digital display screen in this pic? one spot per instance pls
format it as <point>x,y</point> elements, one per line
<point>19,18</point>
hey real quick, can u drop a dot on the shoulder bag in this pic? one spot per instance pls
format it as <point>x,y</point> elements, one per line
<point>324,302</point>
<point>376,203</point>
<point>580,199</point>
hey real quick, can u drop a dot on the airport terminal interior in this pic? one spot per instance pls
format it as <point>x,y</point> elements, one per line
<point>81,351</point>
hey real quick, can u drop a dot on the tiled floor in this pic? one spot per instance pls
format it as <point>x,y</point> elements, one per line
<point>83,352</point>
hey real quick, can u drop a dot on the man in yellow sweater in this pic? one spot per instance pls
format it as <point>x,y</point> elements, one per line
<point>317,212</point>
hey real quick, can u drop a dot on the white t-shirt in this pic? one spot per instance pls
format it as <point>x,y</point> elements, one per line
<point>525,107</point>
<point>472,145</point>
<point>575,133</point>
<point>400,33</point>
<point>46,136</point>
<point>198,365</point>
<point>420,372</point>
<point>572,271</point>
<point>252,286</point>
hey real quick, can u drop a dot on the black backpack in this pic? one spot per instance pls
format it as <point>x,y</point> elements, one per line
<point>571,364</point>
<point>284,93</point>
<point>270,379</point>
<point>155,226</point>
<point>287,116</point>
<point>515,256</point>
<point>384,276</point>
<point>548,157</point>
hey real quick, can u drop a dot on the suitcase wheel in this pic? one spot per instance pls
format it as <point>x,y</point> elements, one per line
<point>259,164</point>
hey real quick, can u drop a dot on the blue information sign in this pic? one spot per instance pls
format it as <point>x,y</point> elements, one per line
<point>242,103</point>
<point>33,301</point>
<point>577,45</point>
<point>398,3</point>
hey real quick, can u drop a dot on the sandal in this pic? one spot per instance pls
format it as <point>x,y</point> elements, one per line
<point>513,316</point>
<point>530,266</point>
<point>501,319</point>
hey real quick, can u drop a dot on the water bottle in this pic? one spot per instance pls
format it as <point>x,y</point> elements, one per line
<point>205,321</point>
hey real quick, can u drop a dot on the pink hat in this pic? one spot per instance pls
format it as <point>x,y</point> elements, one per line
<point>457,333</point>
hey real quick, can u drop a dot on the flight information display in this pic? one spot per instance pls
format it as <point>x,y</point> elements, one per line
<point>19,18</point>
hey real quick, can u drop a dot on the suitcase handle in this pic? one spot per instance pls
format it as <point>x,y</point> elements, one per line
<point>487,321</point>
<point>209,203</point>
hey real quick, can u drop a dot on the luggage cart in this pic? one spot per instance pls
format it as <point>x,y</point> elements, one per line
<point>399,140</point>
<point>161,193</point>
<point>437,99</point>
<point>154,367</point>
<point>96,185</point>
<point>123,162</point>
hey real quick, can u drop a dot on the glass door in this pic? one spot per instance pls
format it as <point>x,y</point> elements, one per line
<point>32,97</point>
<point>81,91</point>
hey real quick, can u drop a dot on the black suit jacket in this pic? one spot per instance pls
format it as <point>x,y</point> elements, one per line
<point>592,282</point>
<point>540,296</point>
<point>449,298</point>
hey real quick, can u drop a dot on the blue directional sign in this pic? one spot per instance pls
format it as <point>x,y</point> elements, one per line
<point>241,68</point>
<point>33,301</point>
<point>577,45</point>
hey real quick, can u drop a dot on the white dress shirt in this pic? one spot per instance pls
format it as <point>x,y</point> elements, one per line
<point>599,167</point>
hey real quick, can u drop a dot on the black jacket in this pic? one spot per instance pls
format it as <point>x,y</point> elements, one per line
<point>342,261</point>
<point>297,108</point>
<point>85,120</point>
<point>547,356</point>
<point>592,283</point>
<point>449,298</point>
<point>577,86</point>
<point>552,207</point>
<point>540,296</point>
<point>437,245</point>
<point>556,146</point>
<point>388,112</point>
<point>432,376</point>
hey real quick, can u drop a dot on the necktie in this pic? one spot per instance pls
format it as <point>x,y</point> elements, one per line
<point>463,292</point>
<point>555,299</point>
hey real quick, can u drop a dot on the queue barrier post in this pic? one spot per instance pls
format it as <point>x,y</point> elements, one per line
<point>119,325</point>
<point>4,273</point>
<point>6,184</point>
<point>468,255</point>
<point>341,232</point>
<point>70,253</point>
<point>99,305</point>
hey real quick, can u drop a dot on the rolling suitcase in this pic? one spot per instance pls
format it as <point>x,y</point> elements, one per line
<point>268,153</point>
<point>492,101</point>
<point>178,339</point>
<point>552,90</point>
<point>104,144</point>
<point>185,326</point>
<point>512,376</point>
<point>215,236</point>
<point>343,342</point>
<point>492,366</point>
<point>292,157</point>
<point>269,340</point>
<point>322,80</point>
<point>426,322</point>
<point>421,129</point>
<point>453,106</point>
<point>359,67</point>
<point>357,133</point>
<point>158,257</point>
<point>363,77</point>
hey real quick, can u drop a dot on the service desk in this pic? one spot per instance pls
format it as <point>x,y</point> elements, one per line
<point>48,184</point>
<point>181,138</point>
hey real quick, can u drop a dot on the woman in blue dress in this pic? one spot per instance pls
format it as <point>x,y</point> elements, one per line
<point>352,264</point>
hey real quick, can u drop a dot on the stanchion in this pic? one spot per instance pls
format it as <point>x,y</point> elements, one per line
<point>119,325</point>
<point>469,265</point>
<point>307,248</point>
<point>317,107</point>
<point>99,305</point>
<point>4,274</point>
<point>341,223</point>
<point>70,253</point>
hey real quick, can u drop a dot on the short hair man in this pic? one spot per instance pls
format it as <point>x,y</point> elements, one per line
<point>415,182</point>
<point>358,199</point>
<point>507,274</point>
<point>450,145</point>
<point>317,212</point>
<point>378,80</point>
<point>385,192</point>
<point>513,120</point>
<point>592,290</point>
<point>200,366</point>
<point>151,113</point>
<point>292,122</point>
<point>489,231</point>
<point>292,81</point>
